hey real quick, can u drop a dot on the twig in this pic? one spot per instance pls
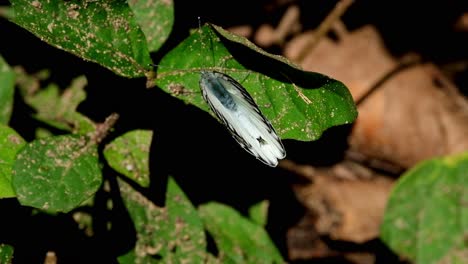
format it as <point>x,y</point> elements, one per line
<point>104,128</point>
<point>324,27</point>
<point>406,62</point>
<point>289,19</point>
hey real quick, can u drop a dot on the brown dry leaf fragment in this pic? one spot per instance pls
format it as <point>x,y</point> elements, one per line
<point>347,208</point>
<point>361,258</point>
<point>462,23</point>
<point>358,59</point>
<point>242,30</point>
<point>304,242</point>
<point>267,36</point>
<point>414,115</point>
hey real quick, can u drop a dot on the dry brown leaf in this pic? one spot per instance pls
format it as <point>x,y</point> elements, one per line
<point>304,242</point>
<point>347,206</point>
<point>359,58</point>
<point>413,115</point>
<point>462,23</point>
<point>409,114</point>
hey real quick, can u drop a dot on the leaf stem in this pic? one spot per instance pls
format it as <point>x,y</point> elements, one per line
<point>102,130</point>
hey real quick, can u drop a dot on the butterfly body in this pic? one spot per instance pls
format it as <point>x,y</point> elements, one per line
<point>236,109</point>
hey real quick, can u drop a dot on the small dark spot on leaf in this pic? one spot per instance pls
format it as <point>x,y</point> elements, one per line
<point>177,89</point>
<point>157,257</point>
<point>174,249</point>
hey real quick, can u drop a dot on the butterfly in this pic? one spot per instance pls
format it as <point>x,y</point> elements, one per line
<point>237,110</point>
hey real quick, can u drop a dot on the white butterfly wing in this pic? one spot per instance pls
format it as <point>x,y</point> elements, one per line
<point>237,110</point>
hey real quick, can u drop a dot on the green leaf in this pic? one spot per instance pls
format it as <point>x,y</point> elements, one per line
<point>6,254</point>
<point>237,238</point>
<point>59,110</point>
<point>173,234</point>
<point>57,173</point>
<point>10,144</point>
<point>426,218</point>
<point>129,155</point>
<point>104,32</point>
<point>301,105</point>
<point>155,19</point>
<point>7,84</point>
<point>28,84</point>
<point>43,133</point>
<point>258,213</point>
